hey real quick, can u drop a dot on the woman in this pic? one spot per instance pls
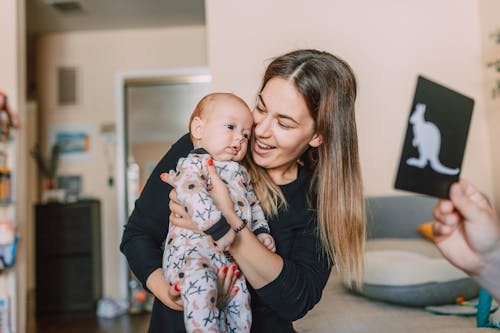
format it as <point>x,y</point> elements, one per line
<point>305,169</point>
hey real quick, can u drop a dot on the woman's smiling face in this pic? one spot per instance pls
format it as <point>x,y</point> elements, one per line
<point>284,127</point>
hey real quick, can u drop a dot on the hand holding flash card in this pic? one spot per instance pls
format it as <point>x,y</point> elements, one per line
<point>435,140</point>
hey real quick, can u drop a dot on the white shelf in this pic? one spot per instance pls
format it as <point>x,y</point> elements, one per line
<point>8,276</point>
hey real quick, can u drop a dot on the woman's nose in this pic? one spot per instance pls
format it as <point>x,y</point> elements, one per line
<point>263,127</point>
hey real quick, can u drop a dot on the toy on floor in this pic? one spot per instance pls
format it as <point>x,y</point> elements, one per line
<point>483,318</point>
<point>140,300</point>
<point>484,308</point>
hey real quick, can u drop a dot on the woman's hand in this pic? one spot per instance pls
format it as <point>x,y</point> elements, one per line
<point>226,279</point>
<point>170,295</point>
<point>167,294</point>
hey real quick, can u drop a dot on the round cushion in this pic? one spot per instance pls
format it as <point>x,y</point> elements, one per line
<point>412,272</point>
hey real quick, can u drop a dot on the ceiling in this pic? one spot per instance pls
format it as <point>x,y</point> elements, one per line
<point>49,16</point>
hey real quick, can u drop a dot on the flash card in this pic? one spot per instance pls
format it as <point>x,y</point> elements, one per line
<point>435,140</point>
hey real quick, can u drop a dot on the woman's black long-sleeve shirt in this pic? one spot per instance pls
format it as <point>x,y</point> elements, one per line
<point>275,306</point>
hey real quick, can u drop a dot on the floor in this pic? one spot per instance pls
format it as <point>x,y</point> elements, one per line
<point>88,323</point>
<point>84,322</point>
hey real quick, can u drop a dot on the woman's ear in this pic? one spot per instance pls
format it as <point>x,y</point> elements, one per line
<point>196,128</point>
<point>316,140</point>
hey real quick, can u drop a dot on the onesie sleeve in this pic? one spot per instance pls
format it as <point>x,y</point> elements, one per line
<point>147,226</point>
<point>300,284</point>
<point>259,223</point>
<point>191,188</point>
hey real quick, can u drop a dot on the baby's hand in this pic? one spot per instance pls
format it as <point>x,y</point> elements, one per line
<point>268,241</point>
<point>225,241</point>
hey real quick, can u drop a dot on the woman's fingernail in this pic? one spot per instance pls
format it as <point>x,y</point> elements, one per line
<point>210,162</point>
<point>233,268</point>
<point>163,176</point>
<point>224,269</point>
<point>237,273</point>
<point>176,287</point>
<point>236,289</point>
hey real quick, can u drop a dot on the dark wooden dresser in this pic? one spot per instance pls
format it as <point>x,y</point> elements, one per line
<point>68,256</point>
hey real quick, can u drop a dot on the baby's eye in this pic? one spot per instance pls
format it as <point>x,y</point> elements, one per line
<point>230,127</point>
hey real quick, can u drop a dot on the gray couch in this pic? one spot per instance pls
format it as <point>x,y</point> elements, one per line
<point>397,216</point>
<point>341,311</point>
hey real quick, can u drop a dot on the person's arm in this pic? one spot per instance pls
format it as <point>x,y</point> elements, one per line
<point>467,232</point>
<point>489,277</point>
<point>147,226</point>
<point>259,265</point>
<point>290,287</point>
<point>255,273</point>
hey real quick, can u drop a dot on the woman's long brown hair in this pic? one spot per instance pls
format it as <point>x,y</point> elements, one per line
<point>328,86</point>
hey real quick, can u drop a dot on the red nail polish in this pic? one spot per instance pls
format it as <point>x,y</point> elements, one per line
<point>210,162</point>
<point>233,268</point>
<point>176,287</point>
<point>224,269</point>
<point>237,273</point>
<point>236,289</point>
<point>163,176</point>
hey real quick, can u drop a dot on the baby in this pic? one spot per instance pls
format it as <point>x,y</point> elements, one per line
<point>220,128</point>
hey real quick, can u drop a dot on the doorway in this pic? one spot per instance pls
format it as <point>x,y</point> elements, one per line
<point>153,113</point>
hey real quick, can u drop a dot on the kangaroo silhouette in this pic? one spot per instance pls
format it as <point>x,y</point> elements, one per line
<point>427,139</point>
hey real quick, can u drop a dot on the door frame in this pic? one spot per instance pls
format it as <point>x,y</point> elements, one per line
<point>191,74</point>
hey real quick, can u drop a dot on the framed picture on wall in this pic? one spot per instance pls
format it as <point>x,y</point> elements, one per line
<point>75,141</point>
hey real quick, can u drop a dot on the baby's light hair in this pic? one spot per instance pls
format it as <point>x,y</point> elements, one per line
<point>204,105</point>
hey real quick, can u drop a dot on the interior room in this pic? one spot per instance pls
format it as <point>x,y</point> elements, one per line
<point>100,90</point>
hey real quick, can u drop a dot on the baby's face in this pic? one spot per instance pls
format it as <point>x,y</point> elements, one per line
<point>226,129</point>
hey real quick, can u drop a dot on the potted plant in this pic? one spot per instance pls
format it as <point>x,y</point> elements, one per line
<point>48,168</point>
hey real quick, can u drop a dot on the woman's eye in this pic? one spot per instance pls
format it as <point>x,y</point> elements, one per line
<point>283,125</point>
<point>245,136</point>
<point>229,126</point>
<point>259,109</point>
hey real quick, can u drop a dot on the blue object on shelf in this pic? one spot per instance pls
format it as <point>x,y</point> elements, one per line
<point>8,254</point>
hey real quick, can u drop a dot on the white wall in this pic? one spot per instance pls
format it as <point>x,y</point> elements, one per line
<point>99,56</point>
<point>388,43</point>
<point>490,22</point>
